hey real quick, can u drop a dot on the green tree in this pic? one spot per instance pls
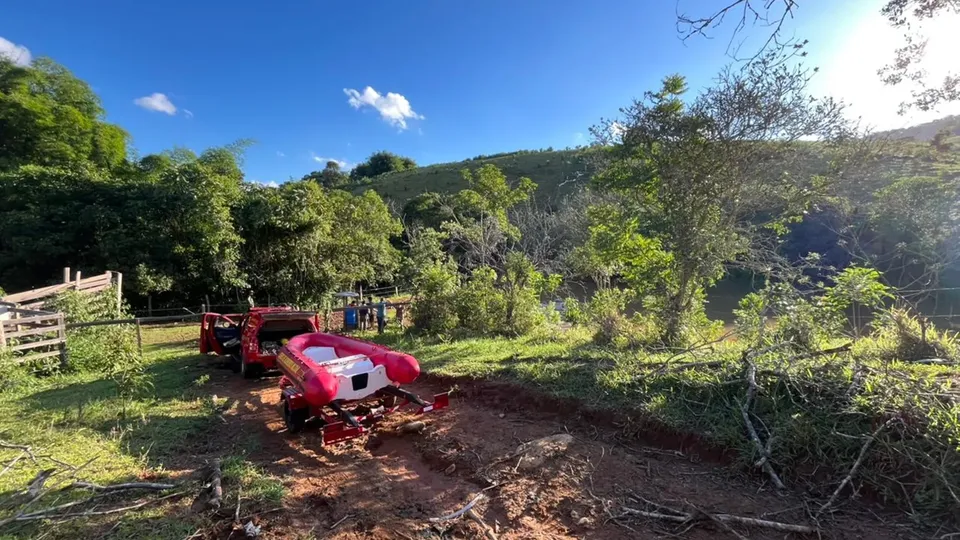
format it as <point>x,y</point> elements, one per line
<point>49,117</point>
<point>302,242</point>
<point>480,227</point>
<point>380,163</point>
<point>700,174</point>
<point>330,177</point>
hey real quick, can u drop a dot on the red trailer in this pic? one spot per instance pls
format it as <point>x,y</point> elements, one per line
<point>345,384</point>
<point>254,338</point>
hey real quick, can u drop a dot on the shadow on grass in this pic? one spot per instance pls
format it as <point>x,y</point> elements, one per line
<point>168,379</point>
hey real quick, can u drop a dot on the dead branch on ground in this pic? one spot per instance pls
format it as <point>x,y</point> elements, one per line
<point>764,451</point>
<point>460,512</point>
<point>856,465</point>
<point>119,487</point>
<point>211,495</point>
<point>666,513</point>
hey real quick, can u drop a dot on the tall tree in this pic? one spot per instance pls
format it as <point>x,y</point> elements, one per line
<point>706,177</point>
<point>380,163</point>
<point>49,117</point>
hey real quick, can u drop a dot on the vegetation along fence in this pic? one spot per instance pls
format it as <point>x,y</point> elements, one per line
<point>34,334</point>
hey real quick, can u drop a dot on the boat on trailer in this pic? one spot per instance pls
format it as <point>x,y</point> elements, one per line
<point>346,385</point>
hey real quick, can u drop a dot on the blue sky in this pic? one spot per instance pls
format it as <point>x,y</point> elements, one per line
<point>466,77</point>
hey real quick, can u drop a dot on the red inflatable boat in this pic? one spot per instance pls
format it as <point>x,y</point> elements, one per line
<point>358,381</point>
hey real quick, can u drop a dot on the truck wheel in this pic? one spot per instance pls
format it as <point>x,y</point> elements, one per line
<point>250,371</point>
<point>294,419</point>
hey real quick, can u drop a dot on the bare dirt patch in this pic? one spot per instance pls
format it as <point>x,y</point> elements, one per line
<point>390,484</point>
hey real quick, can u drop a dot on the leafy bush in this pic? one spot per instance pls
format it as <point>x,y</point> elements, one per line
<point>110,349</point>
<point>902,336</point>
<point>480,305</point>
<point>488,303</point>
<point>434,307</point>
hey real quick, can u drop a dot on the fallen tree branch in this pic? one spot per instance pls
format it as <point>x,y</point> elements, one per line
<point>48,514</point>
<point>118,487</point>
<point>339,521</point>
<point>723,518</point>
<point>815,354</point>
<point>751,378</point>
<point>856,465</point>
<point>487,530</point>
<point>13,462</point>
<point>216,489</point>
<point>460,512</point>
<point>716,520</point>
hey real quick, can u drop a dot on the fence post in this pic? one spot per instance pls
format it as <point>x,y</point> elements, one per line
<point>206,301</point>
<point>139,340</point>
<point>150,305</point>
<point>66,274</point>
<point>77,282</point>
<point>3,336</point>
<point>62,334</point>
<point>119,294</point>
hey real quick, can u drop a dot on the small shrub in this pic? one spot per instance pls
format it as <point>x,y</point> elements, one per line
<point>902,336</point>
<point>434,306</point>
<point>480,306</point>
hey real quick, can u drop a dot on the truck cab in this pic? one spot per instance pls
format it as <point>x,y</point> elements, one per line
<point>253,339</point>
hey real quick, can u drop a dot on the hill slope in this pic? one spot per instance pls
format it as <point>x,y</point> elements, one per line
<point>926,131</point>
<point>561,172</point>
<point>556,173</point>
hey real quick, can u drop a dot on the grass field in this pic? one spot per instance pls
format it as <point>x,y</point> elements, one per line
<point>78,419</point>
<point>816,410</point>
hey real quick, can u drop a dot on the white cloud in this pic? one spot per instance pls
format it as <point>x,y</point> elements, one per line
<point>281,154</point>
<point>19,54</point>
<point>157,102</point>
<point>188,113</point>
<point>393,108</point>
<point>850,71</point>
<point>272,184</point>
<point>344,165</point>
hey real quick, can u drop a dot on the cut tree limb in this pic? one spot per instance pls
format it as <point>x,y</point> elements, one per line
<point>216,489</point>
<point>488,532</point>
<point>856,465</point>
<point>118,487</point>
<point>682,517</point>
<point>460,512</point>
<point>751,378</point>
<point>46,514</point>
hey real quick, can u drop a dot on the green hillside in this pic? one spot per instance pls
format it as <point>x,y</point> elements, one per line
<point>561,172</point>
<point>556,173</point>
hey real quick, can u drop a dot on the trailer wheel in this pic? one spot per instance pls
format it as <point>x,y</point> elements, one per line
<point>250,371</point>
<point>294,419</point>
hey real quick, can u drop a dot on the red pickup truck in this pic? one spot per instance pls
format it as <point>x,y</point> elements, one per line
<point>253,339</point>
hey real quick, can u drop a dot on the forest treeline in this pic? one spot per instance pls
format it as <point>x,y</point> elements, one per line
<point>686,189</point>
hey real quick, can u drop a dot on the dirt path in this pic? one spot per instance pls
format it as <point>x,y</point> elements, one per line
<point>387,486</point>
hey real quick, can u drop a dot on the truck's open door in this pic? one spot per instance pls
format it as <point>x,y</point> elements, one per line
<point>219,333</point>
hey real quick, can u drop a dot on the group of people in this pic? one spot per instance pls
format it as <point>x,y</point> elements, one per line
<point>360,317</point>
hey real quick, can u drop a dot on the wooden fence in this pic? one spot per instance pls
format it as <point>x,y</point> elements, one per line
<point>34,334</point>
<point>36,299</point>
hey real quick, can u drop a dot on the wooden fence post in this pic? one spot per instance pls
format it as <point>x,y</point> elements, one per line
<point>150,305</point>
<point>3,336</point>
<point>66,274</point>
<point>62,334</point>
<point>77,282</point>
<point>119,294</point>
<point>206,302</point>
<point>139,340</point>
